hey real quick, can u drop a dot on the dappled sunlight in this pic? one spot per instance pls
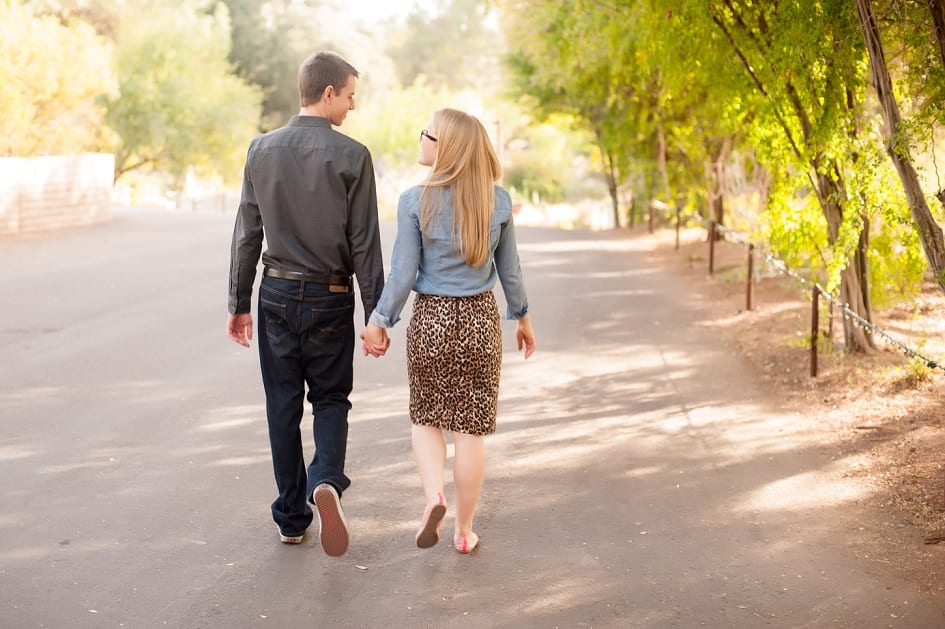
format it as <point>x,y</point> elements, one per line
<point>10,520</point>
<point>802,492</point>
<point>28,394</point>
<point>260,459</point>
<point>85,464</point>
<point>399,473</point>
<point>619,294</point>
<point>560,594</point>
<point>227,424</point>
<point>375,405</point>
<point>37,552</point>
<point>16,453</point>
<point>640,472</point>
<point>202,450</point>
<point>547,263</point>
<point>575,246</point>
<point>26,554</point>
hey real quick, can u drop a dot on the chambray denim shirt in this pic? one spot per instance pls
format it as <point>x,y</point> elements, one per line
<point>431,263</point>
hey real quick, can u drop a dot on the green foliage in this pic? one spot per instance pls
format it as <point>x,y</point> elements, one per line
<point>918,370</point>
<point>48,107</point>
<point>910,45</point>
<point>269,41</point>
<point>548,162</point>
<point>452,48</point>
<point>180,105</point>
<point>794,227</point>
<point>390,126</point>
<point>897,266</point>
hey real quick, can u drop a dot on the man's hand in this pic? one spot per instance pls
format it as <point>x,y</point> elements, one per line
<point>239,327</point>
<point>375,340</point>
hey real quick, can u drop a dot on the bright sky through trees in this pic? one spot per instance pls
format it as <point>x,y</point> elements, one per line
<point>377,10</point>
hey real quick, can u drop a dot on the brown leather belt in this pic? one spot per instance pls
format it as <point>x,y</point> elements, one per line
<point>336,283</point>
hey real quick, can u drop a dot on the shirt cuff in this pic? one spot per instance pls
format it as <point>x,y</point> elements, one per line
<point>381,321</point>
<point>515,316</point>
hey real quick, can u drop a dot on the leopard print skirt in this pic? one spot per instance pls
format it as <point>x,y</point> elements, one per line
<point>454,355</point>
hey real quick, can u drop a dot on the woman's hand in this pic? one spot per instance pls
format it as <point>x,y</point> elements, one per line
<point>375,340</point>
<point>525,336</point>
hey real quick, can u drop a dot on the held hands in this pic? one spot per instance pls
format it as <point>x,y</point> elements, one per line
<point>525,336</point>
<point>375,340</point>
<point>239,327</point>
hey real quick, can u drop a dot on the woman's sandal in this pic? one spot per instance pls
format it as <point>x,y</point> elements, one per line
<point>467,543</point>
<point>429,533</point>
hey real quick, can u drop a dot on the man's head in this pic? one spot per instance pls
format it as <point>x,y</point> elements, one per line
<point>326,85</point>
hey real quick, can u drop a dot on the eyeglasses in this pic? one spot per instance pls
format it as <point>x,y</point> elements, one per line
<point>425,133</point>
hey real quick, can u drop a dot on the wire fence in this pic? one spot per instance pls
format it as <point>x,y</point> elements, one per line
<point>714,230</point>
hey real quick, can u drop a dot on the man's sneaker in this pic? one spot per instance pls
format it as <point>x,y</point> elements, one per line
<point>333,530</point>
<point>290,539</point>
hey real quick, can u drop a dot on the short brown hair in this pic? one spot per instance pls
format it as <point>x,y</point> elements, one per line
<point>318,72</point>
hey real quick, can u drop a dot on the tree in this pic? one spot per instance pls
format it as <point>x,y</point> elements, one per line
<point>269,39</point>
<point>929,231</point>
<point>561,62</point>
<point>805,68</point>
<point>48,107</point>
<point>180,105</point>
<point>661,124</point>
<point>454,48</point>
<point>657,82</point>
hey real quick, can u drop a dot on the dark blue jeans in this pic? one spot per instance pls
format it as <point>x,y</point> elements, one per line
<point>306,337</point>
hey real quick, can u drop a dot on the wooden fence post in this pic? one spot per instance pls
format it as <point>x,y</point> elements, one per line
<point>678,220</point>
<point>711,247</point>
<point>814,328</point>
<point>750,281</point>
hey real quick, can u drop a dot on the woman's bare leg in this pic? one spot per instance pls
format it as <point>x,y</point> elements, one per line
<point>469,468</point>
<point>429,451</point>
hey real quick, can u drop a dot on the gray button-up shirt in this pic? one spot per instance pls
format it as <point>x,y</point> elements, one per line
<point>311,189</point>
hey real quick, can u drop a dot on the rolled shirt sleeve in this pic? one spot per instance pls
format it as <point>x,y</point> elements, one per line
<point>509,268</point>
<point>405,261</point>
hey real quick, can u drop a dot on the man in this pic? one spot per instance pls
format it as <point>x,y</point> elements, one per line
<point>311,190</point>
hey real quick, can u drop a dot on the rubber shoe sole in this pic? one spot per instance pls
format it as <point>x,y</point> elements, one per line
<point>429,535</point>
<point>333,529</point>
<point>291,539</point>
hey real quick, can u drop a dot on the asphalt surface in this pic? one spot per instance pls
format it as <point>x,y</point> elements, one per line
<point>641,475</point>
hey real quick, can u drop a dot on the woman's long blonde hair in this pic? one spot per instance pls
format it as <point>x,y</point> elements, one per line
<point>467,164</point>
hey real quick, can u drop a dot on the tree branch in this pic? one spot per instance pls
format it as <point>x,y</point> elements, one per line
<point>757,81</point>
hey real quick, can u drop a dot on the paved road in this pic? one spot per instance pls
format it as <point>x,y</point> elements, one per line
<point>625,487</point>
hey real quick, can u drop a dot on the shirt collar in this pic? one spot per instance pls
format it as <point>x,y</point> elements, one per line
<point>309,121</point>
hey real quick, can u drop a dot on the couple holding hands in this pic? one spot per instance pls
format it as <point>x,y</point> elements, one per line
<point>311,189</point>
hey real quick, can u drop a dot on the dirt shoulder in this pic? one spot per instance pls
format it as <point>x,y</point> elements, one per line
<point>882,416</point>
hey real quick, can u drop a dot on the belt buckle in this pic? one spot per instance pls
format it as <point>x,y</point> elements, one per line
<point>337,288</point>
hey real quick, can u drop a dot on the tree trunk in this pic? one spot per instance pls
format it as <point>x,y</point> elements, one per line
<point>661,161</point>
<point>929,231</point>
<point>610,174</point>
<point>854,284</point>
<point>937,8</point>
<point>612,188</point>
<point>715,200</point>
<point>717,152</point>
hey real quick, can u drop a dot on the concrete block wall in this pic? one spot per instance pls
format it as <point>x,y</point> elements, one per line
<point>42,193</point>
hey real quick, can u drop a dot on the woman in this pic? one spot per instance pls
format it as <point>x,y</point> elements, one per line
<point>455,237</point>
